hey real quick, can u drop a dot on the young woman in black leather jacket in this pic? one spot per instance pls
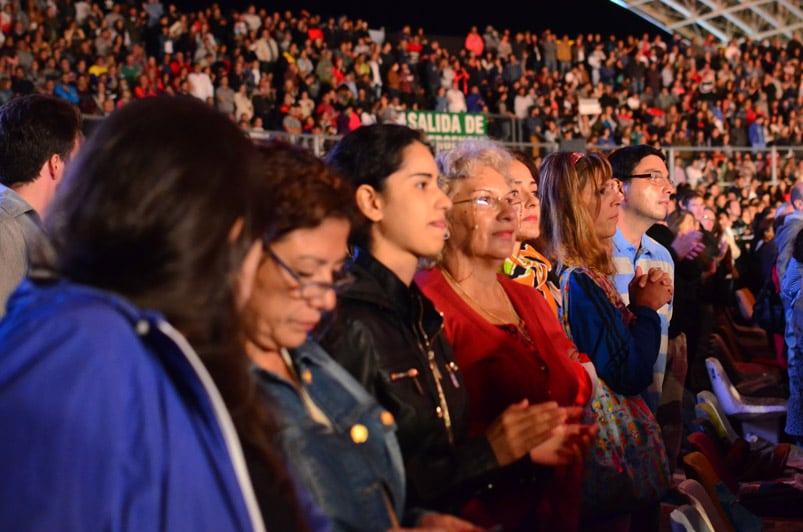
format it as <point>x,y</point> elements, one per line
<point>389,335</point>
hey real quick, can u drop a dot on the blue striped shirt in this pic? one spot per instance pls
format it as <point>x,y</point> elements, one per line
<point>650,254</point>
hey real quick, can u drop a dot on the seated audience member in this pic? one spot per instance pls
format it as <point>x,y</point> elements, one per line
<point>121,350</point>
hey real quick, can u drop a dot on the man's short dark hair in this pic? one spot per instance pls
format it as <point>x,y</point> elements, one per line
<point>33,128</point>
<point>686,195</point>
<point>625,159</point>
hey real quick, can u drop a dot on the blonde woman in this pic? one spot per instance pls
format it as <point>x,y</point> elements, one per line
<point>580,208</point>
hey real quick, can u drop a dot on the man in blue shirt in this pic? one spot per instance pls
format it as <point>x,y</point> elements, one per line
<point>647,191</point>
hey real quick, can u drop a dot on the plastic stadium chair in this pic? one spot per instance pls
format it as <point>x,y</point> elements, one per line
<point>758,415</point>
<point>687,518</point>
<point>711,516</point>
<point>750,378</point>
<point>717,415</point>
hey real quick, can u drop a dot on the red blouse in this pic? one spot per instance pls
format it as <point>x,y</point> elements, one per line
<point>501,367</point>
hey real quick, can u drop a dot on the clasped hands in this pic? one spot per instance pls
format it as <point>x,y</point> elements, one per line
<point>653,289</point>
<point>552,435</point>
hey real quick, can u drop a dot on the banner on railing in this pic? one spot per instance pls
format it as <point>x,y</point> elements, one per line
<point>447,126</point>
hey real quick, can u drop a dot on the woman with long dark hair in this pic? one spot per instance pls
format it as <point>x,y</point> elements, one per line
<point>125,397</point>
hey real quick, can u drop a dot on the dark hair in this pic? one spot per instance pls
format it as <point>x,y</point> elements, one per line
<point>304,190</point>
<point>625,159</point>
<point>368,156</point>
<point>147,210</point>
<point>685,197</point>
<point>764,226</point>
<point>797,250</point>
<point>527,160</point>
<point>33,128</point>
<point>675,218</point>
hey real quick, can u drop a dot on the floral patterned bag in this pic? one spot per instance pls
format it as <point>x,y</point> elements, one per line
<point>627,465</point>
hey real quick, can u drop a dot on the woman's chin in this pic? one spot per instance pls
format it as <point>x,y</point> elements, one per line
<point>524,236</point>
<point>430,249</point>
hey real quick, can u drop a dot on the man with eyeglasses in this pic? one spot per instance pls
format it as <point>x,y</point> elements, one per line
<point>647,190</point>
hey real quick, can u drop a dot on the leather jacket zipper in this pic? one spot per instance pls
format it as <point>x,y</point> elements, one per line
<point>452,368</point>
<point>411,373</point>
<point>442,410</point>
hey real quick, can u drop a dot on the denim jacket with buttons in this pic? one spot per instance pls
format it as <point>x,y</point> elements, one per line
<point>353,469</point>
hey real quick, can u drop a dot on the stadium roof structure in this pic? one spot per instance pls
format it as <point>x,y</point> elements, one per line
<point>724,19</point>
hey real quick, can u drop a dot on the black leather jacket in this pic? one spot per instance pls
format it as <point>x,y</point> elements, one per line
<point>382,332</point>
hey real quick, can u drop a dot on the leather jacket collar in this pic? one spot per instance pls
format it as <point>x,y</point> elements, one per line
<point>378,285</point>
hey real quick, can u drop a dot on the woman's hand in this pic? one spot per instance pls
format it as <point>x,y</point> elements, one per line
<point>522,427</point>
<point>653,289</point>
<point>688,245</point>
<point>568,445</point>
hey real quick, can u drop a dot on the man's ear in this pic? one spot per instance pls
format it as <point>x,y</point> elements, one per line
<point>53,167</point>
<point>370,203</point>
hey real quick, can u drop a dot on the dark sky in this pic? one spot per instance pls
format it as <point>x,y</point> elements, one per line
<point>453,17</point>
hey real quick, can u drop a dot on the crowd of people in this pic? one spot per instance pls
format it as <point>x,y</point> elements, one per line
<point>304,73</point>
<point>383,338</point>
<point>219,334</point>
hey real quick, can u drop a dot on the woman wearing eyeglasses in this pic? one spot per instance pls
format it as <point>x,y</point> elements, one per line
<point>580,204</point>
<point>337,439</point>
<point>510,347</point>
<point>391,337</point>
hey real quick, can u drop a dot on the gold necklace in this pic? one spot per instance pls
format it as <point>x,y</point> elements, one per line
<point>518,324</point>
<point>476,304</point>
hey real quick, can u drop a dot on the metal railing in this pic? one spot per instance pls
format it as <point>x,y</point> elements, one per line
<point>510,132</point>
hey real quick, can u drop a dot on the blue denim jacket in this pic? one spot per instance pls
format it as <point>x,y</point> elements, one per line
<point>348,467</point>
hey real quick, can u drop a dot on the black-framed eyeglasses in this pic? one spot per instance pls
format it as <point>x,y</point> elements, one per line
<point>494,203</point>
<point>341,279</point>
<point>655,177</point>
